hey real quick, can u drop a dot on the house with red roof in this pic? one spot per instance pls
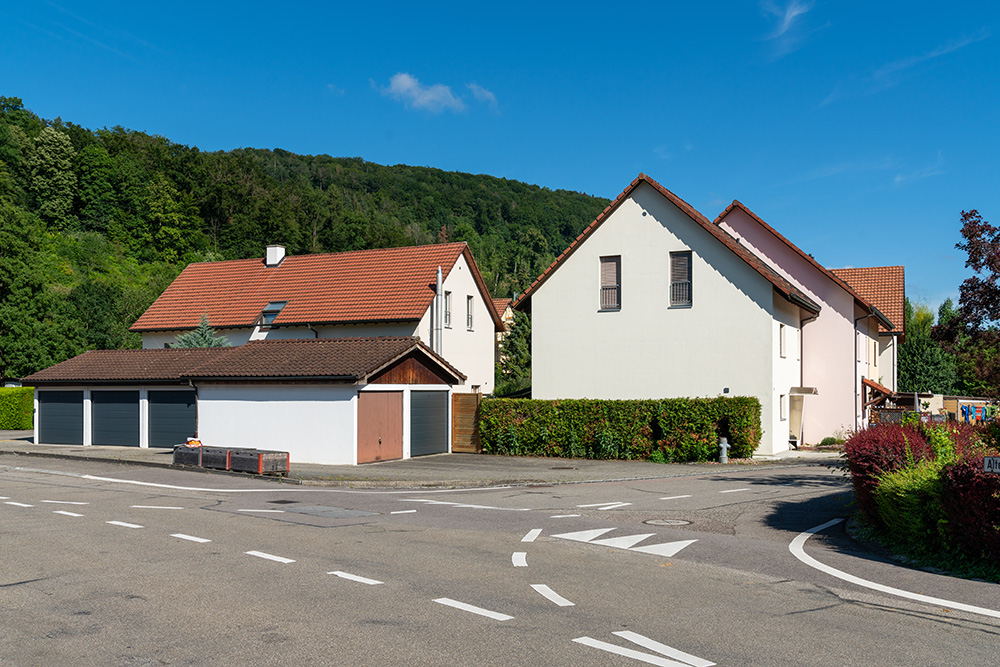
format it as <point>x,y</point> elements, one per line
<point>676,305</point>
<point>382,292</point>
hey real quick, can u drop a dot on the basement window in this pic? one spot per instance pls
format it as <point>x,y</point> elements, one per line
<point>270,312</point>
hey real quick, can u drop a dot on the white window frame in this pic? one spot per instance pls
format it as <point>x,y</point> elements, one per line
<point>447,310</point>
<point>610,289</point>
<point>783,408</point>
<point>469,300</point>
<point>678,303</point>
<point>782,351</point>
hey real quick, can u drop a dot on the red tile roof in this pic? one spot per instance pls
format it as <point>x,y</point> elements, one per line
<point>386,285</point>
<point>338,359</point>
<point>858,298</point>
<point>884,287</point>
<point>781,285</point>
<point>500,305</point>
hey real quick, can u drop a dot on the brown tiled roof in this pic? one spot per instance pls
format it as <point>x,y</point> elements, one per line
<point>860,299</point>
<point>342,359</point>
<point>500,305</point>
<point>385,285</point>
<point>126,366</point>
<point>884,287</point>
<point>781,285</point>
<point>330,358</point>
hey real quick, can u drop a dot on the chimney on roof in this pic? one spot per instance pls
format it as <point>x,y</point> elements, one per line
<point>275,255</point>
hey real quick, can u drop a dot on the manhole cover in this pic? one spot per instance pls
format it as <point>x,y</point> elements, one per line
<point>667,522</point>
<point>282,502</point>
<point>563,468</point>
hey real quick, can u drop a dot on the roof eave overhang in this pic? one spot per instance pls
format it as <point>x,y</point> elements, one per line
<point>90,382</point>
<point>337,379</point>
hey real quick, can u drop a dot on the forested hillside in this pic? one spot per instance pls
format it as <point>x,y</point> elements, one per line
<point>94,224</point>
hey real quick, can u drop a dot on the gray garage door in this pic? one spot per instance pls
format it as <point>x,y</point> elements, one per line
<point>60,417</point>
<point>172,417</point>
<point>116,417</point>
<point>428,422</point>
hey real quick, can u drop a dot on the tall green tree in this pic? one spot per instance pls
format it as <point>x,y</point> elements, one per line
<point>201,336</point>
<point>513,371</point>
<point>924,366</point>
<point>53,180</point>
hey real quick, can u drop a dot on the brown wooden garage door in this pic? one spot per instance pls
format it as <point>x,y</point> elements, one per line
<point>380,426</point>
<point>465,423</point>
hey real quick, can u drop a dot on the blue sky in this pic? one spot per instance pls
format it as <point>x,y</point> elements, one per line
<point>859,130</point>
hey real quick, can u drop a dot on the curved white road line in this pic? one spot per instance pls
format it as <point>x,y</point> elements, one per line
<point>519,558</point>
<point>798,550</point>
<point>552,596</point>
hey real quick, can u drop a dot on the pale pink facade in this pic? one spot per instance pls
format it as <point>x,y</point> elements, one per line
<point>839,347</point>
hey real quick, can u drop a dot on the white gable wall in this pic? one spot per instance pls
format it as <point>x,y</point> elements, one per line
<point>648,349</point>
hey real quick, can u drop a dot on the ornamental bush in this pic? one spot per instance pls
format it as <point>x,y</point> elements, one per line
<point>876,451</point>
<point>17,408</point>
<point>660,430</point>
<point>970,501</point>
<point>909,505</point>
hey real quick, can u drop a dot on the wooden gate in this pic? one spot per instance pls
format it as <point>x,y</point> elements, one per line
<point>380,426</point>
<point>465,423</point>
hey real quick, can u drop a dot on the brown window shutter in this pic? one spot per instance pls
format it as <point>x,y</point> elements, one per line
<point>680,278</point>
<point>611,274</point>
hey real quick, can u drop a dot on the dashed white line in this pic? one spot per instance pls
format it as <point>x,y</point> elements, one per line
<point>354,577</point>
<point>551,595</point>
<point>606,506</point>
<point>519,558</point>
<point>532,534</point>
<point>155,507</point>
<point>264,511</point>
<point>403,512</point>
<point>16,504</point>
<point>797,547</point>
<point>563,516</point>
<point>190,538</point>
<point>628,652</point>
<point>8,498</point>
<point>123,524</point>
<point>495,615</point>
<point>65,502</point>
<point>65,513</point>
<point>675,497</point>
<point>612,507</point>
<point>277,559</point>
<point>733,490</point>
<point>466,505</point>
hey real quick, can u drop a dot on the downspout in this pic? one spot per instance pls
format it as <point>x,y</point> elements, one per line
<point>197,409</point>
<point>310,328</point>
<point>439,314</point>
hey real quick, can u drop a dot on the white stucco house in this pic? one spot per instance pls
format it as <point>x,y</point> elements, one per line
<point>365,293</point>
<point>653,300</point>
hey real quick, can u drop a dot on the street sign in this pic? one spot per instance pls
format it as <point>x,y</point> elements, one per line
<point>991,463</point>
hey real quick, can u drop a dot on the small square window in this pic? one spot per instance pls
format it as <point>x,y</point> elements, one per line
<point>270,312</point>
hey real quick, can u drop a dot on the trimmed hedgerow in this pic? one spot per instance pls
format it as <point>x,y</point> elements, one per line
<point>909,505</point>
<point>659,430</point>
<point>17,408</point>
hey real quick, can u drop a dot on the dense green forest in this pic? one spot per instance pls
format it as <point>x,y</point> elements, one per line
<point>94,224</point>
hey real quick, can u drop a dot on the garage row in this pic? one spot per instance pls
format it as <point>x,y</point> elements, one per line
<point>329,401</point>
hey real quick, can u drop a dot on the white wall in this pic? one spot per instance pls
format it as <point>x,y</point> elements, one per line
<point>472,351</point>
<point>786,373</point>
<point>887,360</point>
<point>648,349</point>
<point>235,337</point>
<point>314,423</point>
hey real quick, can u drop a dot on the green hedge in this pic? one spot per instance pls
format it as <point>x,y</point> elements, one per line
<point>17,407</point>
<point>680,429</point>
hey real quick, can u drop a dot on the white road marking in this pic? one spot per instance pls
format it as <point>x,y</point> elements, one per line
<point>354,577</point>
<point>403,512</point>
<point>563,516</point>
<point>123,524</point>
<point>667,549</point>
<point>8,498</point>
<point>612,507</point>
<point>466,505</point>
<point>190,538</point>
<point>155,507</point>
<point>629,653</point>
<point>532,534</point>
<point>606,506</point>
<point>519,558</point>
<point>585,535</point>
<point>675,497</point>
<point>663,649</point>
<point>551,595</point>
<point>65,502</point>
<point>261,554</point>
<point>11,502</point>
<point>797,547</point>
<point>733,490</point>
<point>495,615</point>
<point>264,511</point>
<point>65,513</point>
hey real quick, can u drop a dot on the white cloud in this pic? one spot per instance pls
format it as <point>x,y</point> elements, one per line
<point>936,168</point>
<point>943,49</point>
<point>436,99</point>
<point>789,31</point>
<point>336,90</point>
<point>482,95</point>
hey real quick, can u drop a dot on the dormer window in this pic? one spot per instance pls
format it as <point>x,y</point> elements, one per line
<point>270,312</point>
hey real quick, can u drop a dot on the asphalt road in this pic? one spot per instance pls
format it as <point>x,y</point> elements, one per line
<point>108,565</point>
